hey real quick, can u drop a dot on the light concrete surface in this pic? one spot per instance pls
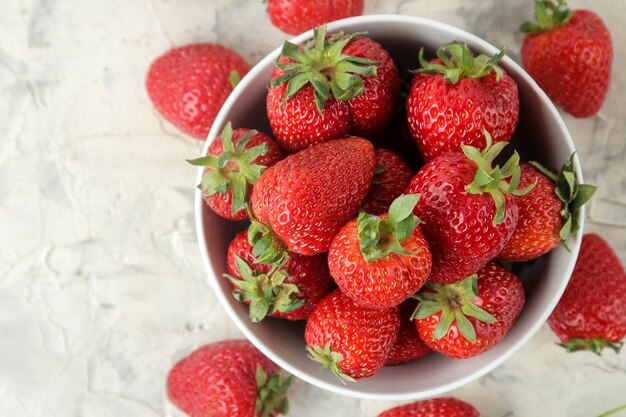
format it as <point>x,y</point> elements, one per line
<point>101,285</point>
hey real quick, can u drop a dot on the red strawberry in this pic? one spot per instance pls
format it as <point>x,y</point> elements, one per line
<point>353,341</point>
<point>391,177</point>
<point>290,291</point>
<point>591,315</point>
<point>548,213</point>
<point>468,209</point>
<point>454,99</point>
<point>305,199</point>
<point>189,84</point>
<point>569,54</point>
<point>235,161</point>
<point>329,87</point>
<point>470,317</point>
<point>297,16</point>
<point>381,261</point>
<point>228,379</point>
<point>408,346</point>
<point>436,407</point>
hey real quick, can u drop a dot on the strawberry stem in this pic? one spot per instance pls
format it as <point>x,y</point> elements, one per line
<point>321,63</point>
<point>572,194</point>
<point>329,359</point>
<point>271,393</point>
<point>594,345</point>
<point>233,169</point>
<point>267,293</point>
<point>380,237</point>
<point>613,411</point>
<point>494,180</point>
<point>549,16</point>
<point>457,61</point>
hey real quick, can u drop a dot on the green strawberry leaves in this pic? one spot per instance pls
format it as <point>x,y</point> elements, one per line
<point>593,345</point>
<point>494,180</point>
<point>572,194</point>
<point>455,303</point>
<point>271,393</point>
<point>233,169</point>
<point>549,16</point>
<point>458,62</point>
<point>329,359</point>
<point>267,247</point>
<point>321,63</point>
<point>266,292</point>
<point>380,237</point>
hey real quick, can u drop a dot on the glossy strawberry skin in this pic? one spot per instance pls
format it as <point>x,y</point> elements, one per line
<point>309,273</point>
<point>189,84</point>
<point>594,303</point>
<point>500,293</point>
<point>436,407</point>
<point>540,220</point>
<point>362,335</point>
<point>441,116</point>
<point>388,184</point>
<point>307,197</point>
<point>297,123</point>
<point>408,346</point>
<point>297,16</point>
<point>222,203</point>
<point>572,64</point>
<point>458,225</point>
<point>384,282</point>
<point>217,380</point>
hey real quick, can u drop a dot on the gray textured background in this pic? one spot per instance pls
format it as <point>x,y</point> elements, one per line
<point>101,285</point>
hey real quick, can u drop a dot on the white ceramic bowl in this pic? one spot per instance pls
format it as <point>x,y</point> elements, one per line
<point>541,135</point>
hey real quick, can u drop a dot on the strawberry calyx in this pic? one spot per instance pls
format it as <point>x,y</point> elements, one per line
<point>458,61</point>
<point>267,246</point>
<point>233,169</point>
<point>321,63</point>
<point>454,302</point>
<point>267,293</point>
<point>549,16</point>
<point>329,359</point>
<point>498,182</point>
<point>613,411</point>
<point>381,237</point>
<point>271,393</point>
<point>572,194</point>
<point>594,345</point>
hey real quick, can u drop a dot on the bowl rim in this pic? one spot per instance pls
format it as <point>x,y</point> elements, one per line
<point>226,302</point>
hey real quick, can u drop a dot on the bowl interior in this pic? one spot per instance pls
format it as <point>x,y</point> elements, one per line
<point>541,135</point>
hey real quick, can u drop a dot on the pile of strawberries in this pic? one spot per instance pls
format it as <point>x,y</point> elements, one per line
<point>345,235</point>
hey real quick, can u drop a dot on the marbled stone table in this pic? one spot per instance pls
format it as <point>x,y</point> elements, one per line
<point>101,285</point>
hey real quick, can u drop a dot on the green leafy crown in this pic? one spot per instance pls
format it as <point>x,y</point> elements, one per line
<point>459,62</point>
<point>322,63</point>
<point>549,15</point>
<point>271,393</point>
<point>233,169</point>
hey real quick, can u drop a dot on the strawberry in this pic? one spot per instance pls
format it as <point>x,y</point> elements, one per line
<point>381,261</point>
<point>353,341</point>
<point>468,208</point>
<point>391,177</point>
<point>302,201</point>
<point>189,84</point>
<point>436,407</point>
<point>297,16</point>
<point>228,379</point>
<point>454,98</point>
<point>408,346</point>
<point>235,161</point>
<point>288,291</point>
<point>591,314</point>
<point>569,54</point>
<point>329,87</point>
<point>548,213</point>
<point>469,317</point>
